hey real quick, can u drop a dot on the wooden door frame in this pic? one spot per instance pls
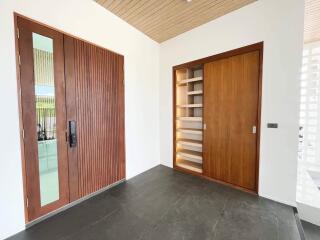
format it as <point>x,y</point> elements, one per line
<point>21,127</point>
<point>31,168</point>
<point>200,63</point>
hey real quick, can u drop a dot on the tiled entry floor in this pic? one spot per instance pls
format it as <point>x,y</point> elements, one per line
<point>165,204</point>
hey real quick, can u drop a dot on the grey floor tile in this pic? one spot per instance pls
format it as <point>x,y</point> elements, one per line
<point>165,204</point>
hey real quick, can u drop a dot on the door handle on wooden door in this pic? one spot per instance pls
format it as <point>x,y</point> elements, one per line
<point>72,134</point>
<point>254,129</point>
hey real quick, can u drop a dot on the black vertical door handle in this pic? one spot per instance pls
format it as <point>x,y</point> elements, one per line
<point>72,134</point>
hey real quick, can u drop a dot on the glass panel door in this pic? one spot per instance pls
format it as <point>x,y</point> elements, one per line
<point>46,118</point>
<point>43,102</point>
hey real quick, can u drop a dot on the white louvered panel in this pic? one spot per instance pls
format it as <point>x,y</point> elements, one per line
<point>309,136</point>
<point>309,104</point>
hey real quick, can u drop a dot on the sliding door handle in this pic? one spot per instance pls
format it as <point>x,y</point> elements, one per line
<point>72,134</point>
<point>254,129</point>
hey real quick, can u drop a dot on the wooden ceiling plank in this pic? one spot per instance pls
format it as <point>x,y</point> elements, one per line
<point>115,5</point>
<point>142,11</point>
<point>174,20</point>
<point>100,2</point>
<point>178,11</point>
<point>206,17</point>
<point>108,4</point>
<point>161,20</point>
<point>124,7</point>
<point>150,13</point>
<point>312,21</point>
<point>138,4</point>
<point>214,12</point>
<point>127,7</point>
<point>185,27</point>
<point>171,13</point>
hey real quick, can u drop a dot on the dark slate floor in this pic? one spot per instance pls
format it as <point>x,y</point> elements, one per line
<point>164,204</point>
<point>312,232</point>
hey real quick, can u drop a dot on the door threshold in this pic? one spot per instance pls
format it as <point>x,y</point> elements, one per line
<point>70,205</point>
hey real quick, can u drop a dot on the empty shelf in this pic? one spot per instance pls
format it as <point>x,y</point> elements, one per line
<point>190,142</point>
<point>196,105</point>
<point>189,154</point>
<point>190,130</point>
<point>198,92</point>
<point>196,79</point>
<point>196,167</point>
<point>191,119</point>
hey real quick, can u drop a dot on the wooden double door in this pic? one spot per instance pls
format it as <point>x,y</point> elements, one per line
<point>72,117</point>
<point>231,119</point>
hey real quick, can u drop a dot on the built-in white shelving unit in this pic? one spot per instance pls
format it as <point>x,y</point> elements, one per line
<point>189,122</point>
<point>194,131</point>
<point>190,105</point>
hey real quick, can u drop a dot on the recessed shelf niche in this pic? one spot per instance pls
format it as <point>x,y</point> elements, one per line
<point>189,125</point>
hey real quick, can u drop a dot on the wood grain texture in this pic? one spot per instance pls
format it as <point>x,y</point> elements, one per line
<point>89,81</point>
<point>27,83</point>
<point>231,109</point>
<point>312,21</point>
<point>162,20</point>
<point>71,114</point>
<point>99,100</point>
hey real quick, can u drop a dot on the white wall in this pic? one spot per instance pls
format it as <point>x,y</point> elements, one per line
<point>87,20</point>
<point>280,25</point>
<point>309,213</point>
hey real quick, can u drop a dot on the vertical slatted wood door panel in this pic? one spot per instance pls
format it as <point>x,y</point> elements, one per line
<point>230,111</point>
<point>99,112</point>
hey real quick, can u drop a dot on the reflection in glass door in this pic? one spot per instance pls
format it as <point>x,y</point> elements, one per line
<point>46,118</point>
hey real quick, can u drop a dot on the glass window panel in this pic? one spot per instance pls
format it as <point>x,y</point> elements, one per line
<point>46,118</point>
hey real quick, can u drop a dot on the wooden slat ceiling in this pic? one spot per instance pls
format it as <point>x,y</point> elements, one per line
<point>164,19</point>
<point>312,21</point>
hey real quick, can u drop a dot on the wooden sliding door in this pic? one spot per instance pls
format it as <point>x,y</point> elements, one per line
<point>96,103</point>
<point>231,110</point>
<point>72,117</point>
